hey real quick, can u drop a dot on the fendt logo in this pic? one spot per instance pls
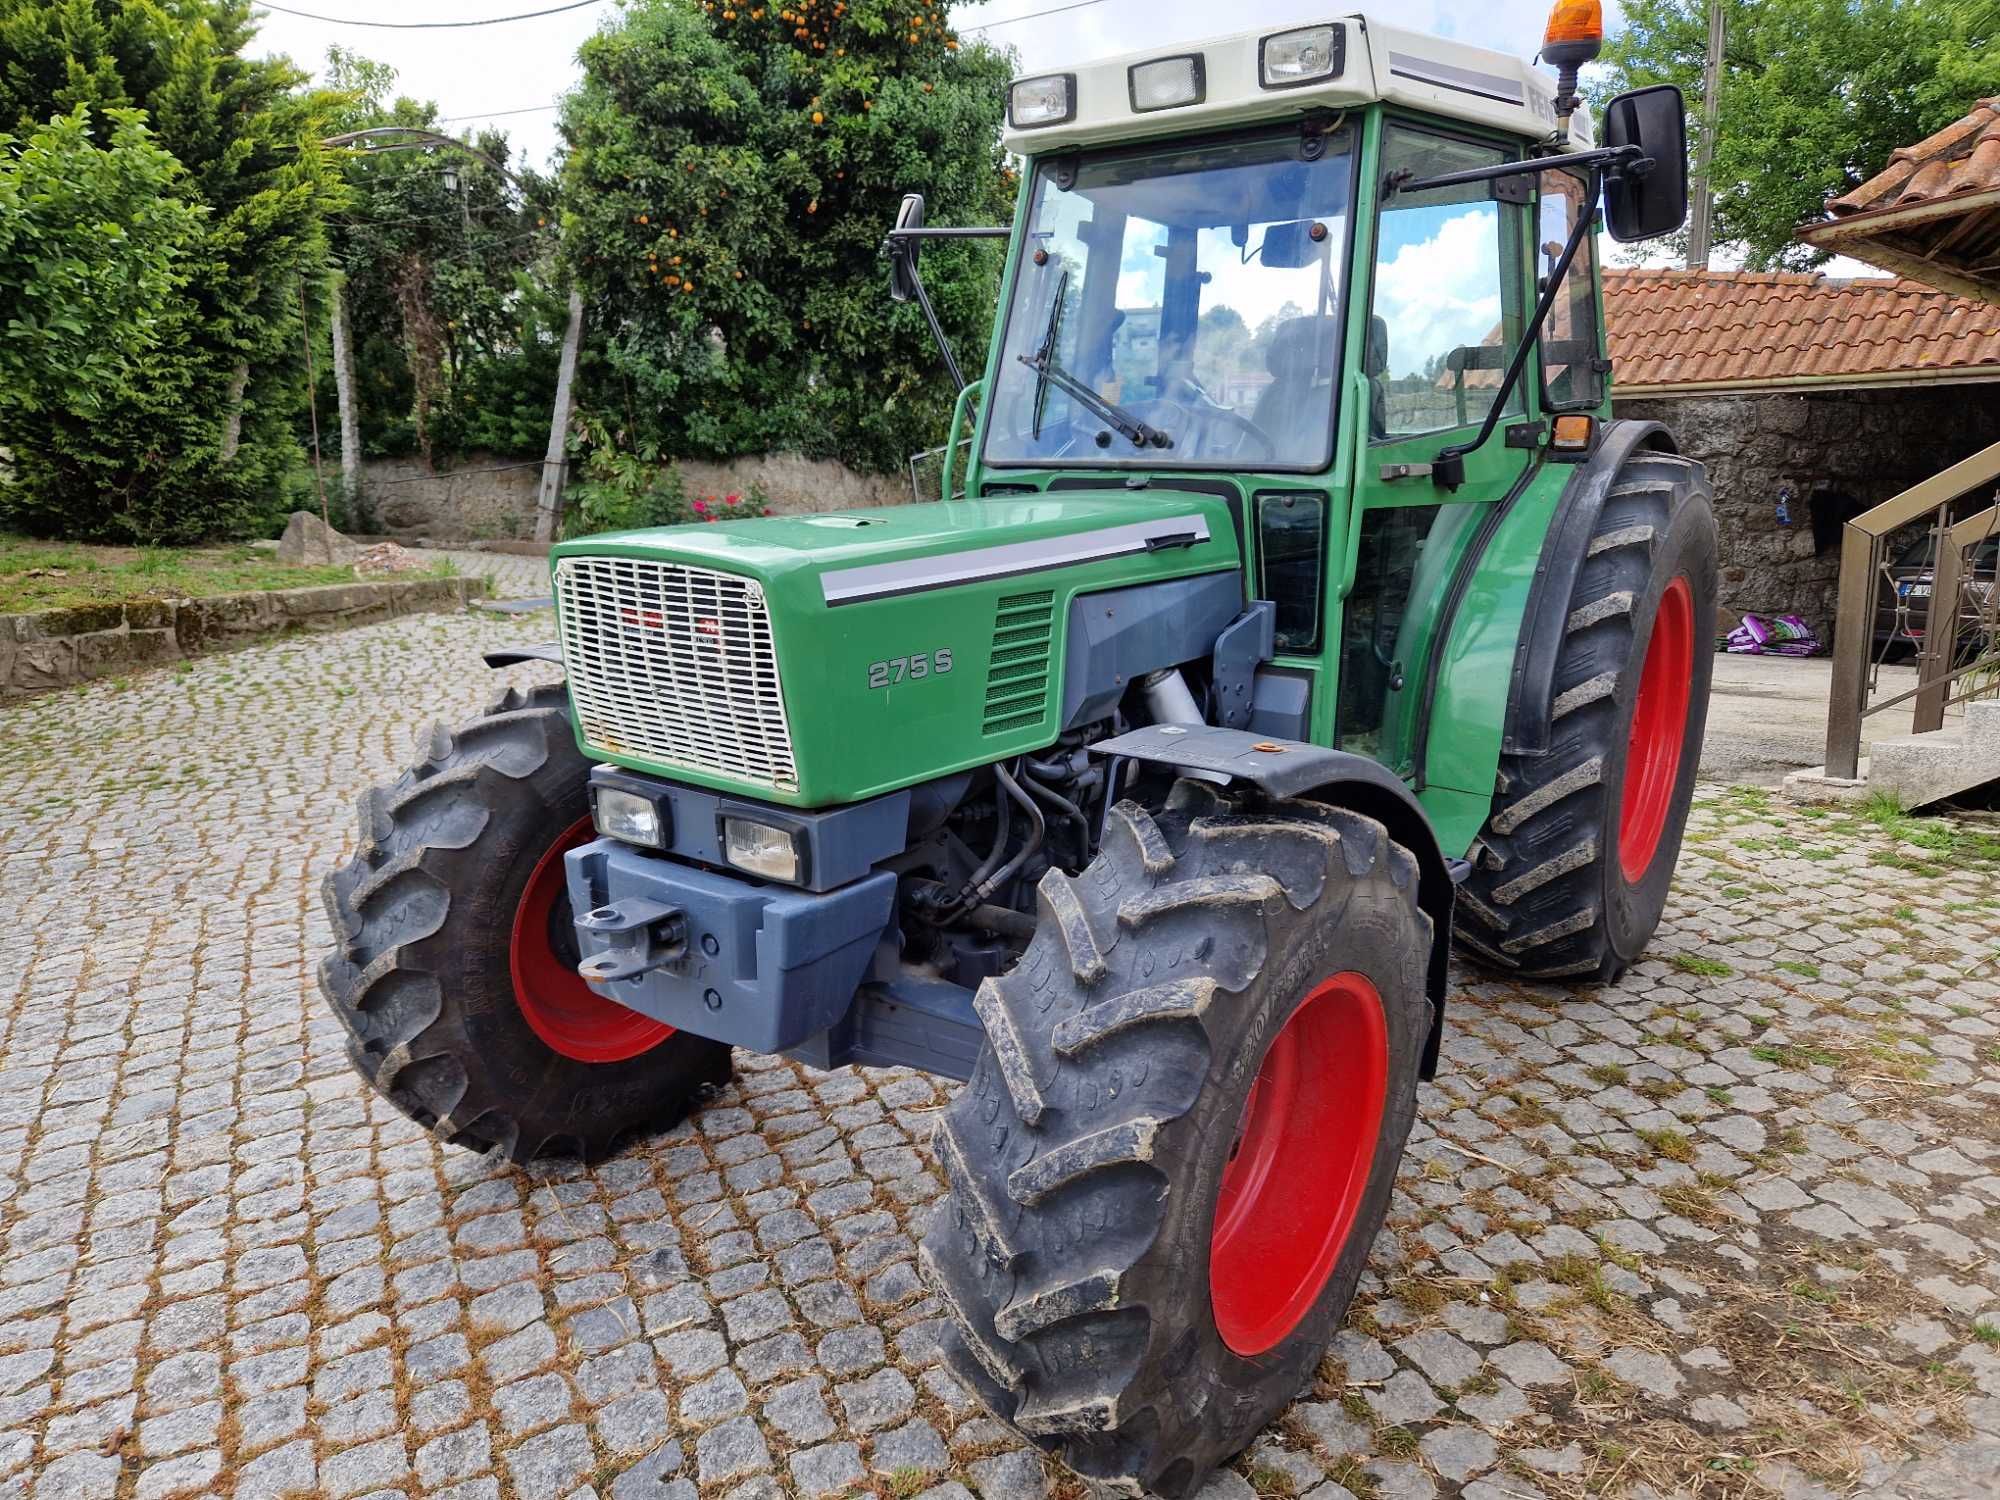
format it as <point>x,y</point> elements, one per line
<point>642,619</point>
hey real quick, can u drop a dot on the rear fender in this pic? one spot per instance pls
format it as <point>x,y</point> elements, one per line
<point>1567,548</point>
<point>1293,768</point>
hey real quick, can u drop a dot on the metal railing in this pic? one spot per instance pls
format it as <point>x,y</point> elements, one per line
<point>1960,637</point>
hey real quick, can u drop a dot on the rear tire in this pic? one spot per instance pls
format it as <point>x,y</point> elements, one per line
<point>1178,1145</point>
<point>1570,875</point>
<point>449,972</point>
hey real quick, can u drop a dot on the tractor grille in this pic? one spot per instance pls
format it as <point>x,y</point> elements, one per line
<point>675,665</point>
<point>1017,682</point>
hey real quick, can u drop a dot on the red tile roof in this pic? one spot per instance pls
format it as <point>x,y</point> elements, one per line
<point>1961,158</point>
<point>1753,329</point>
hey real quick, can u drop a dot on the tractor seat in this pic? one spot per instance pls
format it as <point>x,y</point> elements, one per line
<point>1304,354</point>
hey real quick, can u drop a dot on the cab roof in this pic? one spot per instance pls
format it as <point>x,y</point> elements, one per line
<point>1377,62</point>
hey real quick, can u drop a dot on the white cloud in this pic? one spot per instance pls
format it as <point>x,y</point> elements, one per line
<point>1442,292</point>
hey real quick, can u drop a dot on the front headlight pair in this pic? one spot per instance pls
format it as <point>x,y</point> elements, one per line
<point>760,849</point>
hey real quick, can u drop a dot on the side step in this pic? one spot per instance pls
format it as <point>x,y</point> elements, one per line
<point>907,1023</point>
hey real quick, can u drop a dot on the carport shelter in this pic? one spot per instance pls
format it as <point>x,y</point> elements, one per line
<point>1810,398</point>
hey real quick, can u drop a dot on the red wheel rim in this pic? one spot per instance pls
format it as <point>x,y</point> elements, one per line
<point>1300,1165</point>
<point>555,1002</point>
<point>1659,726</point>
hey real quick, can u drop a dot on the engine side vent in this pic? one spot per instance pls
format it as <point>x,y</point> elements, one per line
<point>1017,679</point>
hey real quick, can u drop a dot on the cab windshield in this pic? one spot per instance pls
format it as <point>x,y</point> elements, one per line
<point>1178,307</point>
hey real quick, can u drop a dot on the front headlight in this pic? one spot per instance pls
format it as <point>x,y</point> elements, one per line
<point>629,817</point>
<point>759,849</point>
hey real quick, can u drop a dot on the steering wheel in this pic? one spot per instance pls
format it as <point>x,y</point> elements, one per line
<point>1202,413</point>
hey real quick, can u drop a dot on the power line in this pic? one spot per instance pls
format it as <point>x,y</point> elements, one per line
<point>427,25</point>
<point>1036,15</point>
<point>497,114</point>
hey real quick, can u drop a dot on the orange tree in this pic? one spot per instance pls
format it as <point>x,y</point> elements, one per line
<point>731,172</point>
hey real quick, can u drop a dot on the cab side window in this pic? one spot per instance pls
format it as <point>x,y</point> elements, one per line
<point>1447,313</point>
<point>1572,370</point>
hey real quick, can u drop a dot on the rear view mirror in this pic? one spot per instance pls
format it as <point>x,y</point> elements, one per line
<point>1287,247</point>
<point>903,253</point>
<point>1641,207</point>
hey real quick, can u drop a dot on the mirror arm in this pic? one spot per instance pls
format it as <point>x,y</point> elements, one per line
<point>900,249</point>
<point>974,232</point>
<point>901,246</point>
<point>1448,468</point>
<point>1612,158</point>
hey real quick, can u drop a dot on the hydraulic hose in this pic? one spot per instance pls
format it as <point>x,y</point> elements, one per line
<point>1037,834</point>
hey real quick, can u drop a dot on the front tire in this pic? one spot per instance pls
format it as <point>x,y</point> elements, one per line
<point>1178,1145</point>
<point>1570,875</point>
<point>454,962</point>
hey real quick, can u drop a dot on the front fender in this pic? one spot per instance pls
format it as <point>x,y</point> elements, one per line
<point>1293,768</point>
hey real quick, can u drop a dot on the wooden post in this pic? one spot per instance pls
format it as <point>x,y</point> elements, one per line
<point>343,384</point>
<point>548,509</point>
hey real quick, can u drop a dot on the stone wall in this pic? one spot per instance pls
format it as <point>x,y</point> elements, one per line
<point>485,498</point>
<point>1867,445</point>
<point>58,647</point>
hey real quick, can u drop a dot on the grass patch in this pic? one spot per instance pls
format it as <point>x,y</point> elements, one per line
<point>1951,843</point>
<point>1794,1054</point>
<point>1585,1277</point>
<point>1987,1333</point>
<point>1266,1480</point>
<point>1668,1143</point>
<point>1396,1442</point>
<point>53,575</point>
<point>1793,966</point>
<point>1346,1470</point>
<point>1607,1073</point>
<point>1694,963</point>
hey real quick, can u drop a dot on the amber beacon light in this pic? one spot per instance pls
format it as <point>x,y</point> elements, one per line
<point>1574,37</point>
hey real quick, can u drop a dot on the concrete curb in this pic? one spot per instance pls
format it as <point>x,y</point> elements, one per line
<point>58,648</point>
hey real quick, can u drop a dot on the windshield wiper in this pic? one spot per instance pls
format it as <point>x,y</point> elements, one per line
<point>1049,373</point>
<point>1047,353</point>
<point>1127,425</point>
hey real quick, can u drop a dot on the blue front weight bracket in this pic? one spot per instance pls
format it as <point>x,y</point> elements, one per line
<point>642,936</point>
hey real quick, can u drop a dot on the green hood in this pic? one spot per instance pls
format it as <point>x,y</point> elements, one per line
<point>913,641</point>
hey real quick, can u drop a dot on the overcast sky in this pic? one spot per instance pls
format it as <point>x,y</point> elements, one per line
<point>477,74</point>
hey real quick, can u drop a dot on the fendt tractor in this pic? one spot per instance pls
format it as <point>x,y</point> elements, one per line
<point>1296,606</point>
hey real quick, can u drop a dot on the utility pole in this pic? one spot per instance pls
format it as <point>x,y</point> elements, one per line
<point>1711,90</point>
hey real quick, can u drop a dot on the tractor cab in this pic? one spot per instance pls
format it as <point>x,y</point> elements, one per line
<point>1344,278</point>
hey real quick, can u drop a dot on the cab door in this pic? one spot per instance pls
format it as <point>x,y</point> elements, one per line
<point>1448,292</point>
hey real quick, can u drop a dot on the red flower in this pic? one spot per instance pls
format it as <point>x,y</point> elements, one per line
<point>731,499</point>
<point>701,507</point>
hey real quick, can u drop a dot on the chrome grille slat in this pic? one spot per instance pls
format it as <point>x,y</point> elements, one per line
<point>675,665</point>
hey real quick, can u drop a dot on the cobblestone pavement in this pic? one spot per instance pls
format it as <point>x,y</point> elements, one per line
<point>511,577</point>
<point>1726,1228</point>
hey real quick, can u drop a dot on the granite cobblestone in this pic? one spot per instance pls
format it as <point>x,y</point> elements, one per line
<point>226,1268</point>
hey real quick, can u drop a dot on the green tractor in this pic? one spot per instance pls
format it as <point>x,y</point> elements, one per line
<point>1297,607</point>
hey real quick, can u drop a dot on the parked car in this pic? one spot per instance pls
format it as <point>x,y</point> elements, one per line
<point>1902,607</point>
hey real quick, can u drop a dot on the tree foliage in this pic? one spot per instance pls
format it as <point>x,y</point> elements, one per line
<point>94,248</point>
<point>731,172</point>
<point>200,445</point>
<point>1815,95</point>
<point>451,285</point>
